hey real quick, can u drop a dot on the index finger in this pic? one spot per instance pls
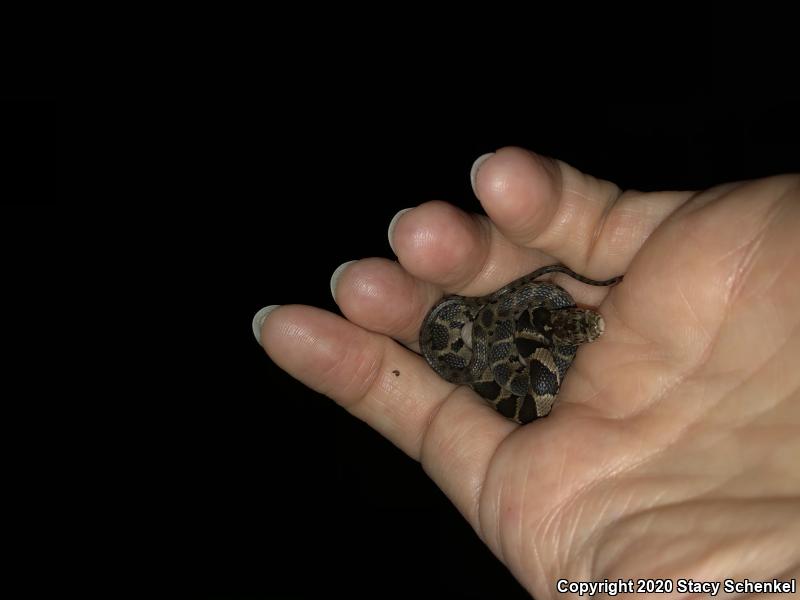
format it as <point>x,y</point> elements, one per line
<point>449,429</point>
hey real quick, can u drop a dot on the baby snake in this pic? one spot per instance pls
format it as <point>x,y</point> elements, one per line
<point>513,346</point>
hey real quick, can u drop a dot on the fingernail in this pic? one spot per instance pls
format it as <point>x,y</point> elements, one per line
<point>258,320</point>
<point>338,273</point>
<point>392,225</point>
<point>473,172</point>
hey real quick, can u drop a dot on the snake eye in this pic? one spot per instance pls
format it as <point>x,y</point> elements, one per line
<point>466,334</point>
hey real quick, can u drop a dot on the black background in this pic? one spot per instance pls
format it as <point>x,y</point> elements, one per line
<point>28,149</point>
<point>219,470</point>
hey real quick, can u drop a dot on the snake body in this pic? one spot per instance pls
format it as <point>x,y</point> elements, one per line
<point>514,346</point>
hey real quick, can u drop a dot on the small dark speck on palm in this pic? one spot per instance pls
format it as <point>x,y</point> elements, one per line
<point>396,373</point>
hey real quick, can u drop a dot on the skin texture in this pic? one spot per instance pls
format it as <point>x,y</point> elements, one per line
<point>673,450</point>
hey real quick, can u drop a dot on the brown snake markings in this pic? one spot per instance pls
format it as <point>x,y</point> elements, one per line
<point>514,346</point>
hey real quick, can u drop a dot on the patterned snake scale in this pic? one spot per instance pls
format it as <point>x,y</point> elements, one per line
<point>514,346</point>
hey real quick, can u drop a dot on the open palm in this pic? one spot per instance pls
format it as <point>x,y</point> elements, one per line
<point>674,448</point>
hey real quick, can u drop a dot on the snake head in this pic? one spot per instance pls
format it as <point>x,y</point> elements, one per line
<point>595,325</point>
<point>577,326</point>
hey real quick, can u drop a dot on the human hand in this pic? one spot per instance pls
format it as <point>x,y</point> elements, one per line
<point>673,450</point>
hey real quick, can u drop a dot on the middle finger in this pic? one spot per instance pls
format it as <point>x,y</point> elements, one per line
<point>442,250</point>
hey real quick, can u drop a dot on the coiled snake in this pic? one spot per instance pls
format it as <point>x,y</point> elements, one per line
<point>514,346</point>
